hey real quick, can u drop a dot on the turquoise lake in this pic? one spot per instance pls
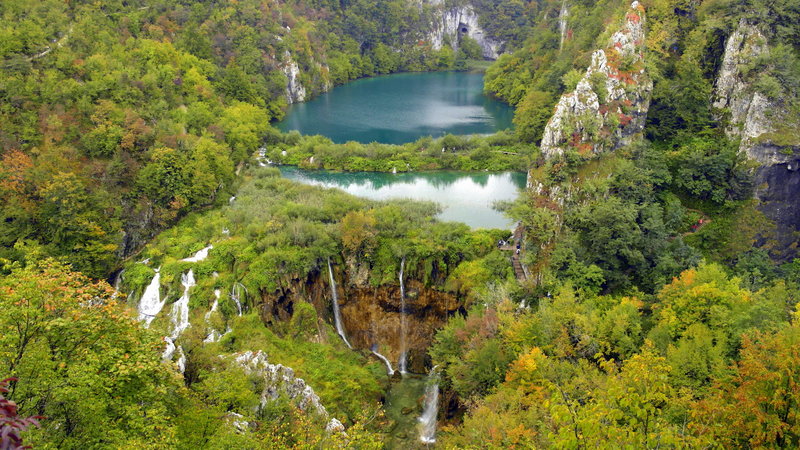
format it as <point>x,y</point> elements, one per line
<point>400,108</point>
<point>465,197</point>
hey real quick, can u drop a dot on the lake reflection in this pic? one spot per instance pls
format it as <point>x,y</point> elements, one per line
<point>400,108</point>
<point>464,197</point>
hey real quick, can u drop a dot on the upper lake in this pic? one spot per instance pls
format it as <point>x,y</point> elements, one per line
<point>400,108</point>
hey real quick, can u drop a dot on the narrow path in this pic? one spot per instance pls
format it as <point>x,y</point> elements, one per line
<point>511,246</point>
<point>57,44</point>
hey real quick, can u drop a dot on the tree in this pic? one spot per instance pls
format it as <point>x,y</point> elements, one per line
<point>82,361</point>
<point>758,405</point>
<point>11,424</point>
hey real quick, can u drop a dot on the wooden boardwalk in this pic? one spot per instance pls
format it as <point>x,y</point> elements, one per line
<point>519,271</point>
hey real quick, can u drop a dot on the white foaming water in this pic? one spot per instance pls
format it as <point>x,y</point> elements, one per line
<point>199,256</point>
<point>179,317</point>
<point>213,335</point>
<point>337,318</point>
<point>389,368</point>
<point>150,304</point>
<point>427,428</point>
<point>169,350</point>
<point>236,296</point>
<point>180,309</point>
<point>403,319</point>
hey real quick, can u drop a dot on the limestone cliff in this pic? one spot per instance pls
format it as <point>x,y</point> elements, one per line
<point>295,91</point>
<point>609,105</point>
<point>453,22</point>
<point>761,123</point>
<point>280,380</point>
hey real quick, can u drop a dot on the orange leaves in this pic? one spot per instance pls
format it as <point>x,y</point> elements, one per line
<point>759,405</point>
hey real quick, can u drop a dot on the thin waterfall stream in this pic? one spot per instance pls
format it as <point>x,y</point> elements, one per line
<point>337,316</point>
<point>403,321</point>
<point>427,421</point>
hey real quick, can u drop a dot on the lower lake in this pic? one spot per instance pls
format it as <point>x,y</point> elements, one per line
<point>466,197</point>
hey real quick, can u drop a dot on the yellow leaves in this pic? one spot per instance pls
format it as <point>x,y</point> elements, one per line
<point>524,371</point>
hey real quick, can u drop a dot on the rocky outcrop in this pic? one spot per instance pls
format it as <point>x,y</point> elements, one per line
<point>459,21</point>
<point>295,91</point>
<point>280,380</point>
<point>608,107</point>
<point>757,121</point>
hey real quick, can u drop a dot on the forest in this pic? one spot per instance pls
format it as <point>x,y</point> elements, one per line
<point>162,285</point>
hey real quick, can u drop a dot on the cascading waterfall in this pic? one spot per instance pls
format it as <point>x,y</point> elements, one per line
<point>150,304</point>
<point>213,335</point>
<point>337,317</point>
<point>236,296</point>
<point>427,429</point>
<point>403,320</point>
<point>562,23</point>
<point>179,317</point>
<point>385,360</point>
<point>199,256</point>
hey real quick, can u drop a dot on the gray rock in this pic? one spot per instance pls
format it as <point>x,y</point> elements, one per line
<point>753,118</point>
<point>610,114</point>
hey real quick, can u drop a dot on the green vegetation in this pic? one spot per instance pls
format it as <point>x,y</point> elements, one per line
<point>644,314</point>
<point>118,118</point>
<point>498,152</point>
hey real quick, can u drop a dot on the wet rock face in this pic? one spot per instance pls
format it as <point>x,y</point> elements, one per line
<point>372,317</point>
<point>754,119</point>
<point>462,21</point>
<point>608,107</point>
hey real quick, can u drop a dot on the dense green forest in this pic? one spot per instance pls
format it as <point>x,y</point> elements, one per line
<point>160,288</point>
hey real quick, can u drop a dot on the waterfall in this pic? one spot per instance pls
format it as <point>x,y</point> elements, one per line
<point>562,23</point>
<point>427,432</point>
<point>236,296</point>
<point>199,256</point>
<point>117,284</point>
<point>213,335</point>
<point>403,319</point>
<point>180,309</point>
<point>150,304</point>
<point>385,360</point>
<point>169,350</point>
<point>182,361</point>
<point>179,317</point>
<point>215,305</point>
<point>337,316</point>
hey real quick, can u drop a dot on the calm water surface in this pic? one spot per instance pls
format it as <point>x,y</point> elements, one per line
<point>400,108</point>
<point>465,197</point>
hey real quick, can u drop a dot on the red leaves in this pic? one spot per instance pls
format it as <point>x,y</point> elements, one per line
<point>11,425</point>
<point>633,18</point>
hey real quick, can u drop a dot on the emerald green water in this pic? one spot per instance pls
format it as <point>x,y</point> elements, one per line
<point>403,408</point>
<point>400,108</point>
<point>466,197</point>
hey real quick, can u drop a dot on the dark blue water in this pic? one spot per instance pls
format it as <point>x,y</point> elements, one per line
<point>400,108</point>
